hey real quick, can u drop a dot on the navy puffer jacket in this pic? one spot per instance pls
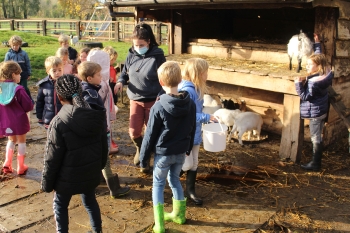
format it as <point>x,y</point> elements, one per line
<point>47,104</point>
<point>314,96</point>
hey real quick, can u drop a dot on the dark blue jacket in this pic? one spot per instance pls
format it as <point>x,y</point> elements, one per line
<point>47,102</point>
<point>141,72</point>
<point>90,94</point>
<point>21,57</point>
<point>170,128</point>
<point>314,95</point>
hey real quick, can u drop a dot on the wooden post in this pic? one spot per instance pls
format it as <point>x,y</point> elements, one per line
<point>77,29</point>
<point>293,129</point>
<point>116,31</point>
<point>159,33</point>
<point>12,24</point>
<point>38,27</point>
<point>177,41</point>
<point>44,27</point>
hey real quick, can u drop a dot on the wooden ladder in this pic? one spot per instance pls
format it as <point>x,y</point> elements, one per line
<point>339,107</point>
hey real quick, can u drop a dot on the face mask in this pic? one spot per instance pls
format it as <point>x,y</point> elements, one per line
<point>142,50</point>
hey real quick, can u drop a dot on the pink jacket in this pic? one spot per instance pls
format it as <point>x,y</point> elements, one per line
<point>14,104</point>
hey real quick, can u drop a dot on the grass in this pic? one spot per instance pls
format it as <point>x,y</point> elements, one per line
<point>40,47</point>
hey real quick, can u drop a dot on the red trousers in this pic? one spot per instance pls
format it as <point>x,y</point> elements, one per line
<point>139,114</point>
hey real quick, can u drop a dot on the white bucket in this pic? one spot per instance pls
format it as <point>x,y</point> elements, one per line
<point>214,137</point>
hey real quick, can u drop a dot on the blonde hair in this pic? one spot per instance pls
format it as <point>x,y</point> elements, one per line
<point>111,52</point>
<point>15,40</point>
<point>193,71</point>
<point>61,52</point>
<point>63,39</point>
<point>321,61</point>
<point>7,68</point>
<point>170,73</point>
<point>87,69</point>
<point>52,61</point>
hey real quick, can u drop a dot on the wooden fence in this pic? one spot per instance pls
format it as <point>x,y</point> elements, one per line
<point>85,29</point>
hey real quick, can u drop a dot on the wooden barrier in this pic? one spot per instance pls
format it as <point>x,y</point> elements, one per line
<point>85,29</point>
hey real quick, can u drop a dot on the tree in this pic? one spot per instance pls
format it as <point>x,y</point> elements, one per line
<point>77,8</point>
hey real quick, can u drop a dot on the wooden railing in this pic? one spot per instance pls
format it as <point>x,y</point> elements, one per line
<point>85,29</point>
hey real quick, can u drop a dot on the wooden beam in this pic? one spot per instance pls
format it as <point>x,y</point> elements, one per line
<point>253,81</point>
<point>293,129</point>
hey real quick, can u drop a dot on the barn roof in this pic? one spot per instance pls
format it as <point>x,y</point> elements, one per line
<point>187,3</point>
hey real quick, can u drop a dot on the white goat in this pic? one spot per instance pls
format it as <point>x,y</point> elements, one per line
<point>210,104</point>
<point>226,116</point>
<point>246,121</point>
<point>73,39</point>
<point>299,45</point>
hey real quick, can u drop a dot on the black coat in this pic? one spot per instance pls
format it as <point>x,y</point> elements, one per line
<point>76,150</point>
<point>47,102</point>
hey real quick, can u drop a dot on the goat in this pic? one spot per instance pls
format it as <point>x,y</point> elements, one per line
<point>226,116</point>
<point>246,121</point>
<point>73,39</point>
<point>299,45</point>
<point>210,104</point>
<point>229,104</point>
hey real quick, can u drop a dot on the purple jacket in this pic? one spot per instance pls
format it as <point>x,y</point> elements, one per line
<point>14,104</point>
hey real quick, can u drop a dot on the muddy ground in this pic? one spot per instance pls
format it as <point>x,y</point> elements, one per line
<point>245,189</point>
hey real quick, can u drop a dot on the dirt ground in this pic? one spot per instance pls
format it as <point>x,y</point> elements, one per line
<point>244,189</point>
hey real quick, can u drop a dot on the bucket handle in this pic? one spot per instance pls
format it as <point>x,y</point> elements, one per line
<point>222,129</point>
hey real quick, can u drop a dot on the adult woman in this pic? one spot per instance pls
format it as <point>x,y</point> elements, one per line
<point>140,70</point>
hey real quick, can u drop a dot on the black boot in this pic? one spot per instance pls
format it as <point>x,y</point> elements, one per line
<point>190,187</point>
<point>114,187</point>
<point>315,164</point>
<point>137,142</point>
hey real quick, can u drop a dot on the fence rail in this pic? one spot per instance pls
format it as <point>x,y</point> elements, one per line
<point>85,29</point>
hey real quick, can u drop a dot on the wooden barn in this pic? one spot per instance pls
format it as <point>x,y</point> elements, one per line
<point>245,43</point>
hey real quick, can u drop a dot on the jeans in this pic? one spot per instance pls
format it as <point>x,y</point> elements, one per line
<point>60,209</point>
<point>167,167</point>
<point>316,126</point>
<point>24,82</point>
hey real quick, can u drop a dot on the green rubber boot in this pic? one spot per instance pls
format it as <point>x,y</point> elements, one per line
<point>178,215</point>
<point>158,211</point>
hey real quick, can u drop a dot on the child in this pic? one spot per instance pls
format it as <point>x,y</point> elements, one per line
<point>75,153</point>
<point>83,53</point>
<point>194,76</point>
<point>47,103</point>
<point>102,58</point>
<point>17,54</point>
<point>90,74</point>
<point>63,54</point>
<point>64,43</point>
<point>113,55</point>
<point>169,134</point>
<point>314,101</point>
<point>14,123</point>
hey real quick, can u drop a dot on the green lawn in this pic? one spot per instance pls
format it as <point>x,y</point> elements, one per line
<point>40,47</point>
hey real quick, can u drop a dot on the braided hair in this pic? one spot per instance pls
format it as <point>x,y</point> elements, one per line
<point>143,31</point>
<point>69,87</point>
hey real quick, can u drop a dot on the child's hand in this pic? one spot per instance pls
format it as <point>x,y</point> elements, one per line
<point>299,79</point>
<point>213,118</point>
<point>317,40</point>
<point>118,87</point>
